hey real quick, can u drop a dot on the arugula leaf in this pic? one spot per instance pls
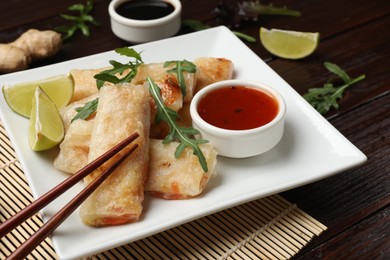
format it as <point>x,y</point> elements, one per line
<point>79,22</point>
<point>323,99</point>
<point>338,71</point>
<point>88,109</point>
<point>244,36</point>
<point>119,68</point>
<point>195,25</point>
<point>110,76</point>
<point>129,52</point>
<point>181,66</point>
<point>176,132</point>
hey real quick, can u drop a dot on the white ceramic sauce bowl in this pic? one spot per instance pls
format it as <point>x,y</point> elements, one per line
<point>240,143</point>
<point>139,31</point>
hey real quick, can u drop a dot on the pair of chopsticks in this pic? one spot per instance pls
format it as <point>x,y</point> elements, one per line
<point>22,251</point>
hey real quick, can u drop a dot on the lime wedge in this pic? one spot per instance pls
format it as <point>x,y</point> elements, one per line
<point>46,128</point>
<point>289,44</point>
<point>59,89</point>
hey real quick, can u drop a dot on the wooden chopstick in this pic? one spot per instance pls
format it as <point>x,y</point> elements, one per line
<point>48,197</point>
<point>60,216</point>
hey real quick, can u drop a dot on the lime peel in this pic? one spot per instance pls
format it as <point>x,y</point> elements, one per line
<point>289,44</point>
<point>59,88</point>
<point>46,128</point>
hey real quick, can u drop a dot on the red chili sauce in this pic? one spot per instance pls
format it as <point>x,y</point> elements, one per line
<point>238,108</point>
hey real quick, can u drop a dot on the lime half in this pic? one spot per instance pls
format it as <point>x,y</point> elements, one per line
<point>46,128</point>
<point>59,89</point>
<point>289,44</point>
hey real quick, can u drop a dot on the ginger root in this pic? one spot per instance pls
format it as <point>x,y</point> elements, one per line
<point>30,46</point>
<point>13,58</point>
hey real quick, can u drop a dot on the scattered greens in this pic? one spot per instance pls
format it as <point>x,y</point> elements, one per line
<point>119,68</point>
<point>176,132</point>
<point>244,36</point>
<point>79,22</point>
<point>198,26</point>
<point>181,66</point>
<point>323,99</point>
<point>194,25</point>
<point>88,109</point>
<point>110,76</point>
<point>235,13</point>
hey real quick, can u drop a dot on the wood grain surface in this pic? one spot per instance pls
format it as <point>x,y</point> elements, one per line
<point>354,205</point>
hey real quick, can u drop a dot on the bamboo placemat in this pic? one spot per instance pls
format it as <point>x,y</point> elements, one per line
<point>268,228</point>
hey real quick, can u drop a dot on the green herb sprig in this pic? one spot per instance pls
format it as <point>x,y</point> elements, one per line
<point>176,132</point>
<point>79,22</point>
<point>179,69</point>
<point>233,15</point>
<point>110,76</point>
<point>119,68</point>
<point>323,99</point>
<point>85,111</point>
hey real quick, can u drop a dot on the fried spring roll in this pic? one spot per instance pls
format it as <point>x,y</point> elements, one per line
<point>210,70</point>
<point>122,110</point>
<point>74,148</point>
<point>69,112</point>
<point>84,83</point>
<point>158,73</point>
<point>170,93</point>
<point>168,177</point>
<point>178,178</point>
<point>172,98</point>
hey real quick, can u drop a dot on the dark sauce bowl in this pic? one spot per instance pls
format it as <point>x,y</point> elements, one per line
<point>138,21</point>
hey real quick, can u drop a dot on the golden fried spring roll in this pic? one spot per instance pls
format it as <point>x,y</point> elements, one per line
<point>69,112</point>
<point>157,72</point>
<point>122,110</point>
<point>170,92</point>
<point>84,83</point>
<point>210,70</point>
<point>172,98</point>
<point>180,178</point>
<point>74,148</point>
<point>168,177</point>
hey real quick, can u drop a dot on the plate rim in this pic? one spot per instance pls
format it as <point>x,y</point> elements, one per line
<point>215,32</point>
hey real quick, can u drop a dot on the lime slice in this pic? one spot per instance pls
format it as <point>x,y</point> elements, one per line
<point>289,44</point>
<point>59,89</point>
<point>46,128</point>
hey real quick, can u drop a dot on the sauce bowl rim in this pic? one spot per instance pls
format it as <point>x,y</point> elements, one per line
<point>201,123</point>
<point>143,23</point>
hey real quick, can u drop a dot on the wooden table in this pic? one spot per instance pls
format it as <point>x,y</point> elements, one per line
<point>356,36</point>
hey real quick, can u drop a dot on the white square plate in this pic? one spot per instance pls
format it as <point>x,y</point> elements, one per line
<point>310,150</point>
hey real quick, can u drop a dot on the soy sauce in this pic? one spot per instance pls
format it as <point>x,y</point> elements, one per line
<point>144,9</point>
